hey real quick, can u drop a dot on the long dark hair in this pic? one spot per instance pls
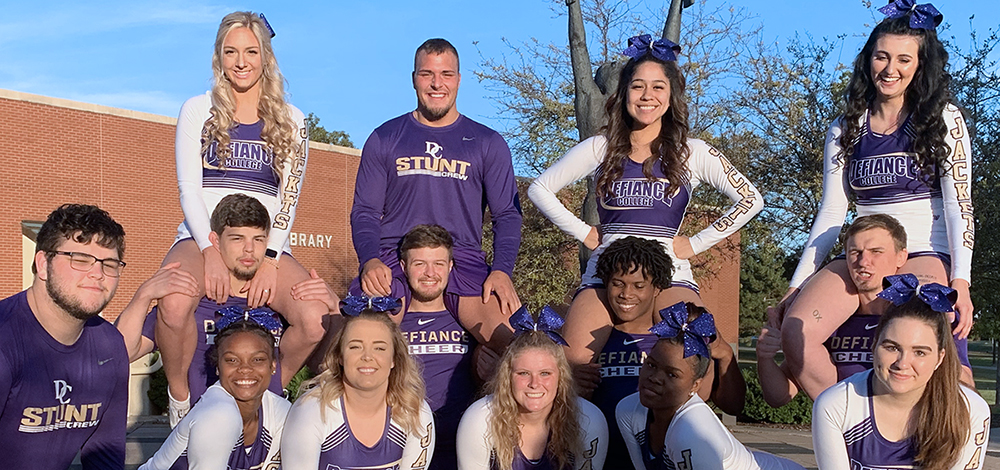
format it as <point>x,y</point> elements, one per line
<point>942,413</point>
<point>926,97</point>
<point>670,148</point>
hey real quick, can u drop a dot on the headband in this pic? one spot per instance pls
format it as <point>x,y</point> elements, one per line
<point>548,322</point>
<point>697,334</point>
<point>269,28</point>
<point>901,288</point>
<point>261,316</point>
<point>923,16</point>
<point>662,49</point>
<point>353,305</point>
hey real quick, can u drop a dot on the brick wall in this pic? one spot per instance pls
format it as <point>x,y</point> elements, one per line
<point>59,151</point>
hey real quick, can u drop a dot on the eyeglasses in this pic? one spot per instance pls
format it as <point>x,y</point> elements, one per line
<point>84,262</point>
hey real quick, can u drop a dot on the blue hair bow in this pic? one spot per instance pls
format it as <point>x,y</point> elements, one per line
<point>353,305</point>
<point>923,16</point>
<point>269,28</point>
<point>901,288</point>
<point>662,49</point>
<point>697,334</point>
<point>264,317</point>
<point>548,322</point>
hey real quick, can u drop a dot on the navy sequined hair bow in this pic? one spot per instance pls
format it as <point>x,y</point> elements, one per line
<point>353,305</point>
<point>899,289</point>
<point>662,49</point>
<point>264,317</point>
<point>548,322</point>
<point>697,334</point>
<point>923,16</point>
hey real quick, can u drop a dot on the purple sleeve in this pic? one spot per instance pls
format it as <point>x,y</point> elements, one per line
<point>369,201</point>
<point>962,347</point>
<point>505,207</point>
<point>106,447</point>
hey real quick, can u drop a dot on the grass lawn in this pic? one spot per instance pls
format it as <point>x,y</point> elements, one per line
<point>980,356</point>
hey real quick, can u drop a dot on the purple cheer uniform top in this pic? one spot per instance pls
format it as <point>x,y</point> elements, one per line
<point>211,436</point>
<point>475,446</point>
<point>324,441</point>
<point>444,350</point>
<point>620,360</point>
<point>883,178</point>
<point>643,208</point>
<point>852,343</point>
<point>414,174</point>
<point>202,372</point>
<point>58,400</point>
<point>249,169</point>
<point>845,434</point>
<point>695,439</point>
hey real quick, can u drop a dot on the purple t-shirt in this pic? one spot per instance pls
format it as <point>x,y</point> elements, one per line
<point>202,373</point>
<point>414,174</point>
<point>882,169</point>
<point>444,350</point>
<point>642,207</point>
<point>620,362</point>
<point>248,167</point>
<point>57,400</point>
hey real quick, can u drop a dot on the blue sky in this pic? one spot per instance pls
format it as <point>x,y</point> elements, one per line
<point>347,61</point>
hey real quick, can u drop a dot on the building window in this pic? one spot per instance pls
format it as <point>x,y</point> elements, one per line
<point>29,233</point>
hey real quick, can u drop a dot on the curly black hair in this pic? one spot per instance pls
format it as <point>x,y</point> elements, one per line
<point>630,254</point>
<point>241,326</point>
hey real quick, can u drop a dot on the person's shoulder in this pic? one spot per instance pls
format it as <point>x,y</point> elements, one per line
<point>628,405</point>
<point>480,409</point>
<point>841,392</point>
<point>295,112</point>
<point>10,307</point>
<point>978,408</point>
<point>698,148</point>
<point>393,125</point>
<point>202,101</point>
<point>102,333</point>
<point>470,125</point>
<point>275,405</point>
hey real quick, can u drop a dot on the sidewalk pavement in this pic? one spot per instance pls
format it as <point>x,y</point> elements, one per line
<point>148,432</point>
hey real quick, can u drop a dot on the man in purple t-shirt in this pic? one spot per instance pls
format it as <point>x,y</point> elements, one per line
<point>436,166</point>
<point>875,247</point>
<point>440,340</point>
<point>63,369</point>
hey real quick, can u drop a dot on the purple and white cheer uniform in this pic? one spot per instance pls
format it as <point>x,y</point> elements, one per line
<point>620,360</point>
<point>475,448</point>
<point>695,439</point>
<point>211,436</point>
<point>310,442</point>
<point>845,434</point>
<point>57,400</point>
<point>647,209</point>
<point>248,169</point>
<point>883,178</point>
<point>413,174</point>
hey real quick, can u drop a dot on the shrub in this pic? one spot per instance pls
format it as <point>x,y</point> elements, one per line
<point>797,411</point>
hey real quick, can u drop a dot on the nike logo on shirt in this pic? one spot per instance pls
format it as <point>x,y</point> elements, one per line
<point>425,321</point>
<point>631,341</point>
<point>101,363</point>
<point>868,327</point>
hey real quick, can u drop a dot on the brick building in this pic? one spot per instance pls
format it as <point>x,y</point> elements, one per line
<point>61,151</point>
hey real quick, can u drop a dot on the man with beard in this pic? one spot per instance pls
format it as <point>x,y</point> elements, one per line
<point>436,335</point>
<point>63,369</point>
<point>875,247</point>
<point>436,166</point>
<point>239,230</point>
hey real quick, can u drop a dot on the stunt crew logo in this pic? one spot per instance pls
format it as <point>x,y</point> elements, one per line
<point>61,416</point>
<point>882,171</point>
<point>433,164</point>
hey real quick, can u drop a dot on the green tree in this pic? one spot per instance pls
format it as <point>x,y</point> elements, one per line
<point>318,133</point>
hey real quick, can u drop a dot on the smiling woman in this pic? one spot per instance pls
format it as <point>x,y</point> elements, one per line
<point>366,409</point>
<point>238,422</point>
<point>532,418</point>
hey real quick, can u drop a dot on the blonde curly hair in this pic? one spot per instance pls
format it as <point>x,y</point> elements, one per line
<point>406,386</point>
<point>563,420</point>
<point>280,131</point>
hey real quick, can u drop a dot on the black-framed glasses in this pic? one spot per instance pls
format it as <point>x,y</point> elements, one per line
<point>84,262</point>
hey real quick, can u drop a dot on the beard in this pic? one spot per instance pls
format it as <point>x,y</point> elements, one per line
<point>72,305</point>
<point>244,274</point>
<point>425,297</point>
<point>433,114</point>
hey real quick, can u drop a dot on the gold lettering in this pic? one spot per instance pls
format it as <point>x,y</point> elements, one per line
<point>73,413</point>
<point>402,164</point>
<point>447,165</point>
<point>958,131</point>
<point>292,185</point>
<point>462,166</point>
<point>94,407</point>
<point>32,416</point>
